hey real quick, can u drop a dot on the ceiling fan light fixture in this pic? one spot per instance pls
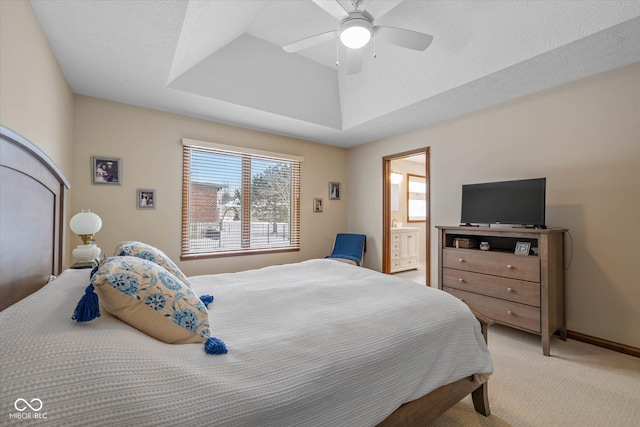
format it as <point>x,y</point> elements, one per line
<point>355,32</point>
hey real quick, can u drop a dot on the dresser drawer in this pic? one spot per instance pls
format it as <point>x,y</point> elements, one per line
<point>500,287</point>
<point>494,263</point>
<point>507,312</point>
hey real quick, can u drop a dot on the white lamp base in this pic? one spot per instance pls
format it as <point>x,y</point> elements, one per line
<point>86,253</point>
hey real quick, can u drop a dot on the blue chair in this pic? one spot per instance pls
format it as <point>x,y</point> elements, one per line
<point>350,247</point>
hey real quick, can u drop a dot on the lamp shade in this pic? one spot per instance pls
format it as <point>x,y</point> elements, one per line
<point>85,222</point>
<point>355,32</point>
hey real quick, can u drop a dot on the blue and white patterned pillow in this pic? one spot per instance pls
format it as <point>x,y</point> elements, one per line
<point>151,299</point>
<point>148,252</point>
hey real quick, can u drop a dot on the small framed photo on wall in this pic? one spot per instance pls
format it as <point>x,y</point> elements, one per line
<point>334,191</point>
<point>146,199</point>
<point>106,170</point>
<point>522,248</point>
<point>317,205</point>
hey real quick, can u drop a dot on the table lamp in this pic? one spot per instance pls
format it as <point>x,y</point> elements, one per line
<point>86,224</point>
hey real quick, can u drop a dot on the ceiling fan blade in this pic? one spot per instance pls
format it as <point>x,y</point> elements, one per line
<point>310,41</point>
<point>377,9</point>
<point>333,8</point>
<point>354,61</point>
<point>403,37</point>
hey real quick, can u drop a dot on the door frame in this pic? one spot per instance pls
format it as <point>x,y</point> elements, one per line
<point>386,209</point>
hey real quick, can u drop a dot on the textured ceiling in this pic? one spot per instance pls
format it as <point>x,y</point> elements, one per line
<point>222,60</point>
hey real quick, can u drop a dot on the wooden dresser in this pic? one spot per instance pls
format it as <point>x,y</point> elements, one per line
<point>521,291</point>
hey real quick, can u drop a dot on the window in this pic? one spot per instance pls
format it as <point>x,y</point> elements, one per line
<point>416,198</point>
<point>238,201</point>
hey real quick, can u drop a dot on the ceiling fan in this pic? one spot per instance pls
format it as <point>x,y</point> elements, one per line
<point>357,28</point>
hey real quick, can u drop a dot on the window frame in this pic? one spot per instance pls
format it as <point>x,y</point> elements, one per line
<point>247,154</point>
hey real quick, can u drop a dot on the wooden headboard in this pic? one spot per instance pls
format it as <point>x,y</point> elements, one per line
<point>32,218</point>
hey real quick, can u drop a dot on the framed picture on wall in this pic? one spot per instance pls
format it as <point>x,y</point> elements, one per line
<point>334,191</point>
<point>317,204</point>
<point>146,199</point>
<point>106,170</point>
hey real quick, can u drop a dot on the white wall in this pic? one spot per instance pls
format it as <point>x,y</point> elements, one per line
<point>584,137</point>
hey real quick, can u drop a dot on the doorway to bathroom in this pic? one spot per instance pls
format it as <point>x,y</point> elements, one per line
<point>406,217</point>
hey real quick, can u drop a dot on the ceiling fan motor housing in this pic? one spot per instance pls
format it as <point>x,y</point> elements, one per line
<point>356,30</point>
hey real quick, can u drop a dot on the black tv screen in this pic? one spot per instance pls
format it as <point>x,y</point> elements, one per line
<point>519,202</point>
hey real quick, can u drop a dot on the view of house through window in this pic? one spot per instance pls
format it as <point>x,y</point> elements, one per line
<point>235,202</point>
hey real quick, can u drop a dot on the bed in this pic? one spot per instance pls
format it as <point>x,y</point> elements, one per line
<point>314,343</point>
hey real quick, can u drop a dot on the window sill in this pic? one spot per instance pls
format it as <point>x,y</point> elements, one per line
<point>242,252</point>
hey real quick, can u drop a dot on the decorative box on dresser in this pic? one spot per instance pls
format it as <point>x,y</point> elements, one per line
<point>404,248</point>
<point>520,291</point>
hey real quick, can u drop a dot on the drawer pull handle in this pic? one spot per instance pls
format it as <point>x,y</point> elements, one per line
<point>509,289</point>
<point>509,266</point>
<point>460,260</point>
<point>510,313</point>
<point>461,280</point>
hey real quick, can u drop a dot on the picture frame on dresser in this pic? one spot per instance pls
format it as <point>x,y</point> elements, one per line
<point>522,248</point>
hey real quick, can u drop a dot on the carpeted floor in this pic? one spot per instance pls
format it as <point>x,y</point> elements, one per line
<point>580,385</point>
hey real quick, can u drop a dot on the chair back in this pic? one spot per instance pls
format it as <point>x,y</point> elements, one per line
<point>349,246</point>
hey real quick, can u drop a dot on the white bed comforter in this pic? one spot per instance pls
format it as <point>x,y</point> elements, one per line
<point>314,343</point>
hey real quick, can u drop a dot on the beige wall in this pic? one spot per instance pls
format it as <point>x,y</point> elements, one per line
<point>149,144</point>
<point>584,137</point>
<point>35,99</point>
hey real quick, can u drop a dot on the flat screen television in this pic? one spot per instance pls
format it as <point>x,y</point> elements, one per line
<point>520,203</point>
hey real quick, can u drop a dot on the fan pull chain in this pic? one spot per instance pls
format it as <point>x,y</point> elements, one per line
<point>375,55</point>
<point>338,53</point>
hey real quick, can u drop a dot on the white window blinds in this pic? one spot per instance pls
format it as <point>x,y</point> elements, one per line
<point>238,201</point>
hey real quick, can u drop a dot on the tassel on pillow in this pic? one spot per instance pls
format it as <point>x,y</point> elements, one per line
<point>206,300</point>
<point>88,307</point>
<point>215,346</point>
<point>212,345</point>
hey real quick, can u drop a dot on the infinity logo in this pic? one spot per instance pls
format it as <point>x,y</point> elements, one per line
<point>21,404</point>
